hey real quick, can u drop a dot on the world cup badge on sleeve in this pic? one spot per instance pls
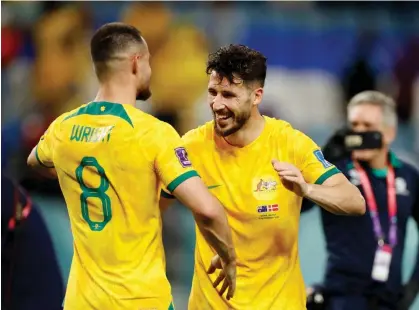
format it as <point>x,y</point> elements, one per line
<point>182,155</point>
<point>320,157</point>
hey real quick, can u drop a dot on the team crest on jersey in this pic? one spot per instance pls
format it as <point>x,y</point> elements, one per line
<point>182,155</point>
<point>319,155</point>
<point>264,188</point>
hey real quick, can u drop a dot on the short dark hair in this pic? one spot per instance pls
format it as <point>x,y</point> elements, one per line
<point>112,38</point>
<point>238,60</point>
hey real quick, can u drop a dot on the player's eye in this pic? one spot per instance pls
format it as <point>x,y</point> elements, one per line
<point>228,95</point>
<point>212,92</point>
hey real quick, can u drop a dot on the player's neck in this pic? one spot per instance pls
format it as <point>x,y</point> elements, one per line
<point>117,93</point>
<point>380,161</point>
<point>249,132</point>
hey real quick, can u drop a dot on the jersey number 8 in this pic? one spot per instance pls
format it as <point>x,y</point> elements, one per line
<point>94,192</point>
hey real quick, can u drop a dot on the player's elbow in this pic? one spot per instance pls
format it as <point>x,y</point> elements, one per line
<point>31,161</point>
<point>357,203</point>
<point>361,206</point>
<point>210,212</point>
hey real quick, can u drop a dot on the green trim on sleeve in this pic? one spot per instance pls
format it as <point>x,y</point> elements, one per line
<point>166,195</point>
<point>327,175</point>
<point>39,161</point>
<point>180,179</point>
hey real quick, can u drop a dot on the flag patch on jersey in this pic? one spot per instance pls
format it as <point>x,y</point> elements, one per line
<point>182,155</point>
<point>268,208</point>
<point>319,155</point>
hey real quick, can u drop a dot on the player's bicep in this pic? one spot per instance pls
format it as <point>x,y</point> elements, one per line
<point>195,196</point>
<point>336,180</point>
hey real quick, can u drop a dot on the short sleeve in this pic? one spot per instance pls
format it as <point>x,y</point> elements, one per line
<point>45,148</point>
<point>172,162</point>
<point>310,160</point>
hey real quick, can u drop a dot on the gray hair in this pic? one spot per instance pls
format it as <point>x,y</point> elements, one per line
<point>387,104</point>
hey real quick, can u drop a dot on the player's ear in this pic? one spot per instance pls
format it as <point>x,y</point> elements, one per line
<point>258,94</point>
<point>135,64</point>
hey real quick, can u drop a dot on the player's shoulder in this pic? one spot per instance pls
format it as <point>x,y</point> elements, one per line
<point>136,117</point>
<point>199,135</point>
<point>143,120</point>
<point>86,108</point>
<point>56,124</point>
<point>130,115</point>
<point>280,128</point>
<point>69,114</point>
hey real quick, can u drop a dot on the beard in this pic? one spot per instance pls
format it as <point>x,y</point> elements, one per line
<point>143,94</point>
<point>230,122</point>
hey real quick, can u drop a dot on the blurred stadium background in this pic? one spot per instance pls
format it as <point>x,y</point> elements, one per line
<point>319,55</point>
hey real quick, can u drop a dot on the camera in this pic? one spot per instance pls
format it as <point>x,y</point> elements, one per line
<point>344,141</point>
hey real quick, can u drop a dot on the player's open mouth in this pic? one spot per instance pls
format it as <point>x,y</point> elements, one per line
<point>219,117</point>
<point>222,120</point>
<point>222,117</point>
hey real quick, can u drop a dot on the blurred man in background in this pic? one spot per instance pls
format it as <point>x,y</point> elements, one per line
<point>30,274</point>
<point>364,266</point>
<point>99,151</point>
<point>259,168</point>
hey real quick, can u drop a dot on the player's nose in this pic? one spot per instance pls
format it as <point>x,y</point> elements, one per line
<point>218,105</point>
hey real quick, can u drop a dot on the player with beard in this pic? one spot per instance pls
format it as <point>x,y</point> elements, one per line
<point>110,159</point>
<point>260,168</point>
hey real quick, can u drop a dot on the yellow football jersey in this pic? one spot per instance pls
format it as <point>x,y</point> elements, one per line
<point>110,159</point>
<point>263,215</point>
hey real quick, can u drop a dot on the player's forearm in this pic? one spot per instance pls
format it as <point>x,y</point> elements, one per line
<point>217,233</point>
<point>209,215</point>
<point>344,199</point>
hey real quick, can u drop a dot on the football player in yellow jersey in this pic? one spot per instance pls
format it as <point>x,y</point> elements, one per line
<point>110,159</point>
<point>260,168</point>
